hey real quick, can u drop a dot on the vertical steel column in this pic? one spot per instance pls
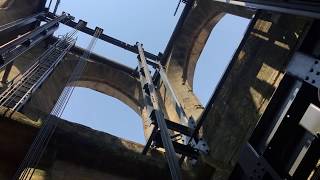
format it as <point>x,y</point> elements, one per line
<point>165,137</point>
<point>56,7</point>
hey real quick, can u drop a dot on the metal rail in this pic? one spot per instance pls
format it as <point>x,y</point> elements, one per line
<point>149,88</point>
<point>11,50</point>
<point>12,26</point>
<point>301,8</point>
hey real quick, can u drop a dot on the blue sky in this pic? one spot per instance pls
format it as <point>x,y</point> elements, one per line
<point>150,22</point>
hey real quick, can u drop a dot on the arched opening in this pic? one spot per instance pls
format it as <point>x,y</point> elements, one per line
<point>128,21</point>
<point>104,113</point>
<point>216,55</point>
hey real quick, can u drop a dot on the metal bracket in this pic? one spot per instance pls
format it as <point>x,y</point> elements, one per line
<point>201,145</point>
<point>306,68</point>
<point>254,165</point>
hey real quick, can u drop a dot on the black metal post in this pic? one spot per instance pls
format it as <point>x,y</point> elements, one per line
<point>56,7</point>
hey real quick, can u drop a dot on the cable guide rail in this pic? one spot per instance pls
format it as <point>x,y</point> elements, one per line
<point>173,137</point>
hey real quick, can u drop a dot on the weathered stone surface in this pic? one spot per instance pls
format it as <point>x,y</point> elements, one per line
<point>75,150</point>
<point>253,78</point>
<point>187,49</point>
<point>82,153</point>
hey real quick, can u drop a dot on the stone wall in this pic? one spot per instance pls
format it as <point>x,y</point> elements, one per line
<point>253,76</point>
<point>75,151</point>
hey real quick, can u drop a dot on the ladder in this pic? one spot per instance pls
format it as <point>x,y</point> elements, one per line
<point>20,91</point>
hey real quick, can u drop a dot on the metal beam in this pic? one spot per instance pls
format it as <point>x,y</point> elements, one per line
<point>111,40</point>
<point>165,137</point>
<point>301,8</point>
<point>12,26</point>
<point>254,165</point>
<point>179,128</point>
<point>56,7</point>
<point>186,150</point>
<point>14,48</point>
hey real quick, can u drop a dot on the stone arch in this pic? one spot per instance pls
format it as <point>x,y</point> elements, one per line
<point>100,74</point>
<point>187,48</point>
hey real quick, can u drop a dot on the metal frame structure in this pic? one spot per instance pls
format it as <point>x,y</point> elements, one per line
<point>21,22</point>
<point>149,91</point>
<point>285,143</point>
<point>259,158</point>
<point>10,51</point>
<point>164,132</point>
<point>21,90</point>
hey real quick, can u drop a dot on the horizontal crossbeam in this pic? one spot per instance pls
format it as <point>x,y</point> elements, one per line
<point>111,40</point>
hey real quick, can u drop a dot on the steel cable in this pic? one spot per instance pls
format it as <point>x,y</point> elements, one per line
<point>47,130</point>
<point>38,140</point>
